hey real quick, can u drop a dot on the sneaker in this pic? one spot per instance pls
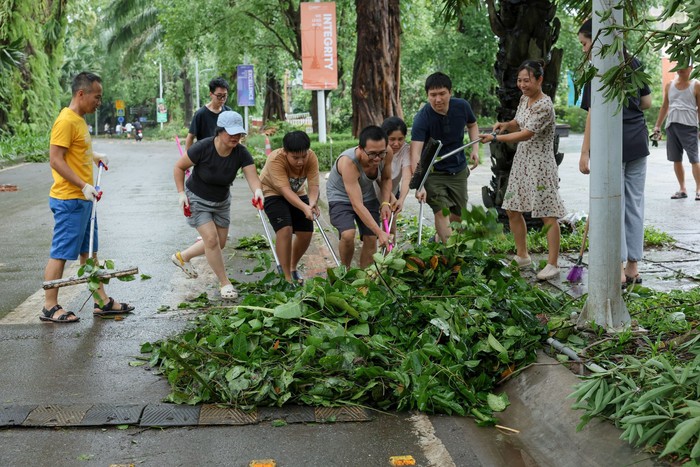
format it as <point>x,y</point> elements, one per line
<point>522,262</point>
<point>549,272</point>
<point>186,266</point>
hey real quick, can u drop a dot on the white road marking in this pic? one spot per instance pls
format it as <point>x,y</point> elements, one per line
<point>432,447</point>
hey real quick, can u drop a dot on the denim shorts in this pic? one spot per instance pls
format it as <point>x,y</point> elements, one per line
<point>71,230</point>
<point>343,217</point>
<point>204,211</point>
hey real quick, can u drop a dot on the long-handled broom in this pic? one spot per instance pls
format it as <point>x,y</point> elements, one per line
<point>576,273</point>
<point>103,274</point>
<point>428,158</point>
<point>259,207</point>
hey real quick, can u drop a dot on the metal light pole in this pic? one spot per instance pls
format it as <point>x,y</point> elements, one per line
<point>604,305</point>
<point>321,110</point>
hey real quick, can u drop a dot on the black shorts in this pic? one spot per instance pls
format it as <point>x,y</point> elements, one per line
<point>282,214</point>
<point>343,217</point>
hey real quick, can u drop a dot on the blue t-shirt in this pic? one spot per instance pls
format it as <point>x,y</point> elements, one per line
<point>449,129</point>
<point>635,136</point>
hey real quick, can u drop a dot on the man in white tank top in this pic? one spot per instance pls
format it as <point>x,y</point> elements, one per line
<point>682,105</point>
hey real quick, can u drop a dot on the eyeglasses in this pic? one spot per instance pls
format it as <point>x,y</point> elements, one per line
<point>221,97</point>
<point>374,155</point>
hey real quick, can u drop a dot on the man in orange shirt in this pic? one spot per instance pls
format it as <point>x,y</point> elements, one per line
<point>71,197</point>
<point>288,206</point>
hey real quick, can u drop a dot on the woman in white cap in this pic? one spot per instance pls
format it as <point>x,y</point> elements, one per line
<point>207,197</point>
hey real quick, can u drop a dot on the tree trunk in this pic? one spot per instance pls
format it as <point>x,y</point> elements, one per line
<point>186,92</point>
<point>376,74</point>
<point>274,102</point>
<point>526,31</point>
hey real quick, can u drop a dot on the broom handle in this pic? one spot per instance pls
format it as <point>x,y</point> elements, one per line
<point>453,152</point>
<point>585,236</point>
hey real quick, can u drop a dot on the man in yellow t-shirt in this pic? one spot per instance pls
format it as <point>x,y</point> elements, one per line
<point>72,196</point>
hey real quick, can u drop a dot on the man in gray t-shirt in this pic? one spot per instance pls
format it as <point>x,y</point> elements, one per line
<point>352,199</point>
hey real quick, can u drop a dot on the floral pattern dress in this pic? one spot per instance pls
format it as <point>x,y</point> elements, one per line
<point>533,185</point>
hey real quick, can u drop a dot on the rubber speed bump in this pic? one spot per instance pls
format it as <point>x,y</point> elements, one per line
<point>402,460</point>
<point>341,414</point>
<point>263,463</point>
<point>215,415</point>
<point>14,415</point>
<point>169,415</point>
<point>56,415</point>
<point>105,414</point>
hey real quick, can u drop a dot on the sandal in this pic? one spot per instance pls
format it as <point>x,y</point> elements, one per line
<point>63,318</point>
<point>697,196</point>
<point>107,308</point>
<point>186,266</point>
<point>679,195</point>
<point>633,279</point>
<point>298,277</point>
<point>228,292</point>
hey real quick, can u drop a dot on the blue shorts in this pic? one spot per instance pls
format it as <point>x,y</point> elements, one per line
<point>71,231</point>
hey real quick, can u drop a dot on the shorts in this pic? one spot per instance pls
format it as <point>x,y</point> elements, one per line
<point>281,214</point>
<point>679,137</point>
<point>447,190</point>
<point>204,211</point>
<point>71,230</point>
<point>343,217</point>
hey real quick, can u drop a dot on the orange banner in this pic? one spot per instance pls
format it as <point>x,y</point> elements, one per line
<point>319,50</point>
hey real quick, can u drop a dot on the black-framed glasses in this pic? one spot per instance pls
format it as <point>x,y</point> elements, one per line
<point>374,155</point>
<point>221,97</point>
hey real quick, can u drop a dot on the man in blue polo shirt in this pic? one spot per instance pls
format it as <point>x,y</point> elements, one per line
<point>444,119</point>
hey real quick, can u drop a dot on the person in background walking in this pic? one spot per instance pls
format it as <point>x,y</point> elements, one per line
<point>396,130</point>
<point>207,193</point>
<point>533,185</point>
<point>352,198</point>
<point>682,106</point>
<point>71,197</point>
<point>444,119</point>
<point>635,149</point>
<point>288,206</point>
<point>203,123</point>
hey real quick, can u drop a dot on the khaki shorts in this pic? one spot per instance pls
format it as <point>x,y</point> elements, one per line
<point>447,190</point>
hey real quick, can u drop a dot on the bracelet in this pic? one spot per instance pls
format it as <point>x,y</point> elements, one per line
<point>493,133</point>
<point>386,203</point>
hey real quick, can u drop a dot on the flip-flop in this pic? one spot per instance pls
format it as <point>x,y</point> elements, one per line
<point>106,309</point>
<point>679,195</point>
<point>47,315</point>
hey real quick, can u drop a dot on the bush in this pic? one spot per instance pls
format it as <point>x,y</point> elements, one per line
<point>26,144</point>
<point>575,117</point>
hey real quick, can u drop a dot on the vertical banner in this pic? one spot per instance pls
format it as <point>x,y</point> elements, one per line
<point>245,83</point>
<point>161,111</point>
<point>319,51</point>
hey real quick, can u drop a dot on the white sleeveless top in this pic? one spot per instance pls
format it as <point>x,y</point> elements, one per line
<point>682,107</point>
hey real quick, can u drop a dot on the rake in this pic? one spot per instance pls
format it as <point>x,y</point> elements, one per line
<point>259,206</point>
<point>328,242</point>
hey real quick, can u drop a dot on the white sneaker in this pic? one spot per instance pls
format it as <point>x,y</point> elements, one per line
<point>522,262</point>
<point>549,272</point>
<point>186,266</point>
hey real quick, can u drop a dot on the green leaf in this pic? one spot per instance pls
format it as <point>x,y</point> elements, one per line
<point>684,432</point>
<point>495,345</point>
<point>498,403</point>
<point>289,310</point>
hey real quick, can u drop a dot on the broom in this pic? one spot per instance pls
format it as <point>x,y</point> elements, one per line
<point>576,273</point>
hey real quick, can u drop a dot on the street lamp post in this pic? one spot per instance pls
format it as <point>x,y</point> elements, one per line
<point>196,79</point>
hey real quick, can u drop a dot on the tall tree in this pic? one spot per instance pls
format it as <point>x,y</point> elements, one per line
<point>376,74</point>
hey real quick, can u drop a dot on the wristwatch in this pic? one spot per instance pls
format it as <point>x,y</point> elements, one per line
<point>494,134</point>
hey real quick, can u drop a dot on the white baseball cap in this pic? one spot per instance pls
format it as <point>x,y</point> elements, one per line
<point>232,122</point>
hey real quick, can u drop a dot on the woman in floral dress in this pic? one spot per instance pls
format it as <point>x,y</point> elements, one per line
<point>533,185</point>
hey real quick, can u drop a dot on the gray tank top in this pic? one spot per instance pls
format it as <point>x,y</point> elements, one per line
<point>682,107</point>
<point>335,188</point>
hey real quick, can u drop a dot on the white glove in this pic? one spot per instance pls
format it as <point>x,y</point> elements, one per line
<point>100,157</point>
<point>182,201</point>
<point>89,192</point>
<point>258,196</point>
